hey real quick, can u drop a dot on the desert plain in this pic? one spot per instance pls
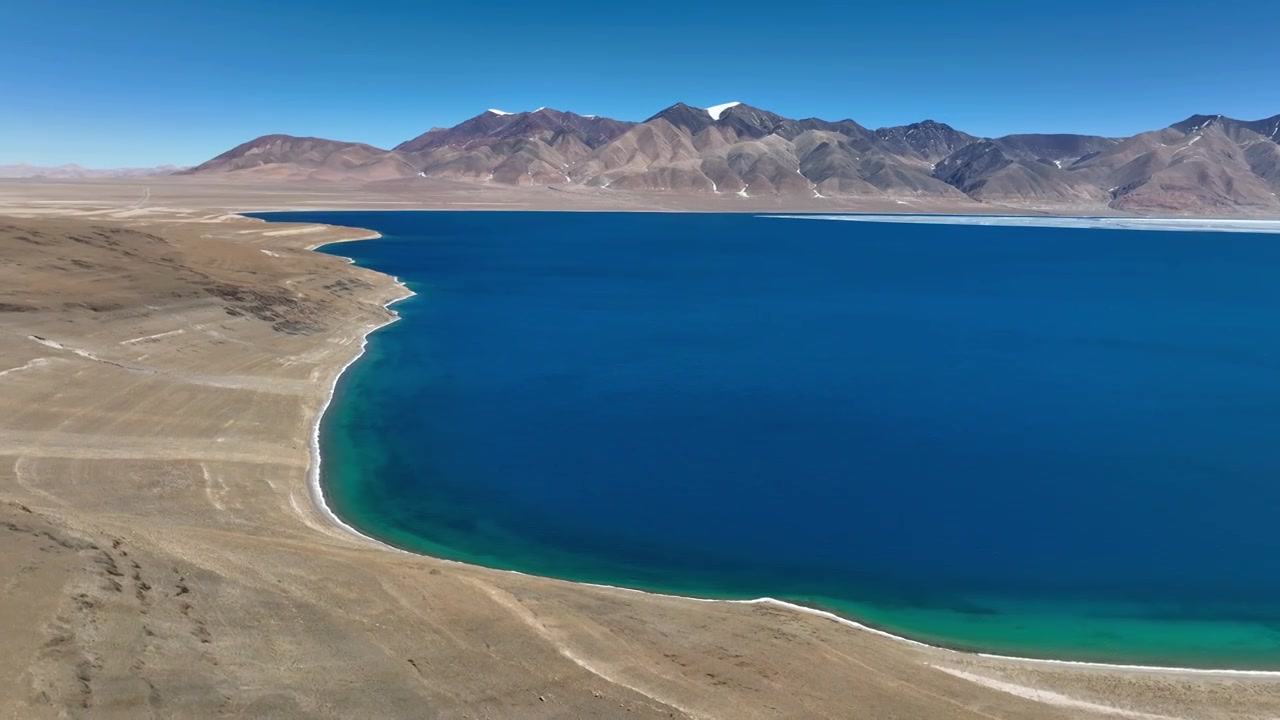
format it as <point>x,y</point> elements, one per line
<point>163,361</point>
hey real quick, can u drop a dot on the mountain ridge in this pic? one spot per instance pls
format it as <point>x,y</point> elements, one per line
<point>1204,164</point>
<point>73,171</point>
<point>278,156</point>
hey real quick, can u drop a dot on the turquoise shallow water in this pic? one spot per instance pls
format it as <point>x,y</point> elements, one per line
<point>1031,441</point>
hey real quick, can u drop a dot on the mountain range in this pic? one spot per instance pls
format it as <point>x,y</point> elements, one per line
<point>77,172</point>
<point>1206,164</point>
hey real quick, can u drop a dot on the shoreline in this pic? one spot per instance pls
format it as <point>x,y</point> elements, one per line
<point>316,491</point>
<point>1090,222</point>
<point>999,216</point>
<point>314,488</point>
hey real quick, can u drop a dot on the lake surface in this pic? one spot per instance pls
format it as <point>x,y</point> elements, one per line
<point>1040,442</point>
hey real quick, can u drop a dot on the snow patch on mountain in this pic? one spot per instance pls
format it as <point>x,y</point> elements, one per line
<point>715,111</point>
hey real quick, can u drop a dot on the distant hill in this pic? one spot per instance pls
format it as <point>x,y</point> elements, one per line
<point>72,172</point>
<point>287,157</point>
<point>1206,164</point>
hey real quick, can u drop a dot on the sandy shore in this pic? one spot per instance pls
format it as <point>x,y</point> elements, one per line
<point>163,366</point>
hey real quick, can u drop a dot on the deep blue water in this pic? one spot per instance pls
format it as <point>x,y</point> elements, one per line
<point>1040,441</point>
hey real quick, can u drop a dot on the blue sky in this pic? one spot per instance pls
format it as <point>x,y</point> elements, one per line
<point>148,82</point>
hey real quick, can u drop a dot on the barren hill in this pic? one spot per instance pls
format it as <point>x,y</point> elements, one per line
<point>289,157</point>
<point>1207,164</point>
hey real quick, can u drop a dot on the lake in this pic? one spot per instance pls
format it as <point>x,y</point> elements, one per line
<point>1047,442</point>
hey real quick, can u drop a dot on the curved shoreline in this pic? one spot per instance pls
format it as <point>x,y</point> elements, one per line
<point>316,491</point>
<point>314,487</point>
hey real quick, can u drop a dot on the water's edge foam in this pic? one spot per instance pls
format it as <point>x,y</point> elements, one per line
<point>314,487</point>
<point>316,492</point>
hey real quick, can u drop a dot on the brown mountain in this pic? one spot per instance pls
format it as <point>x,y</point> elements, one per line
<point>833,163</point>
<point>736,148</point>
<point>480,126</point>
<point>1195,166</point>
<point>743,122</point>
<point>858,135</point>
<point>930,141</point>
<point>990,172</point>
<point>654,155</point>
<point>288,157</point>
<point>1205,164</point>
<point>1267,128</point>
<point>1258,139</point>
<point>515,161</point>
<point>495,126</point>
<point>528,148</point>
<point>1203,173</point>
<point>683,117</point>
<point>1060,149</point>
<point>1264,161</point>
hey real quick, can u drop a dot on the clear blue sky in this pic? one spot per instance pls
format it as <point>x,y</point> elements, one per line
<point>147,82</point>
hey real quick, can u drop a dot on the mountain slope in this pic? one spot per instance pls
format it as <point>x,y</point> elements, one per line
<point>1204,173</point>
<point>1190,167</point>
<point>1268,128</point>
<point>988,172</point>
<point>493,126</point>
<point>289,157</point>
<point>929,141</point>
<point>654,155</point>
<point>1207,164</point>
<point>528,148</point>
<point>1059,149</point>
<point>1264,160</point>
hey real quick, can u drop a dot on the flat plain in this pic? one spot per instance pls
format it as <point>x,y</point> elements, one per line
<point>162,366</point>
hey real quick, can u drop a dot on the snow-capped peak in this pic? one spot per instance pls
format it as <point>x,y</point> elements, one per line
<point>715,111</point>
<point>497,112</point>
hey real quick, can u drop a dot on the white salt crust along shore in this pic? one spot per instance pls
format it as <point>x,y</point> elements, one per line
<point>1096,223</point>
<point>313,472</point>
<point>317,495</point>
